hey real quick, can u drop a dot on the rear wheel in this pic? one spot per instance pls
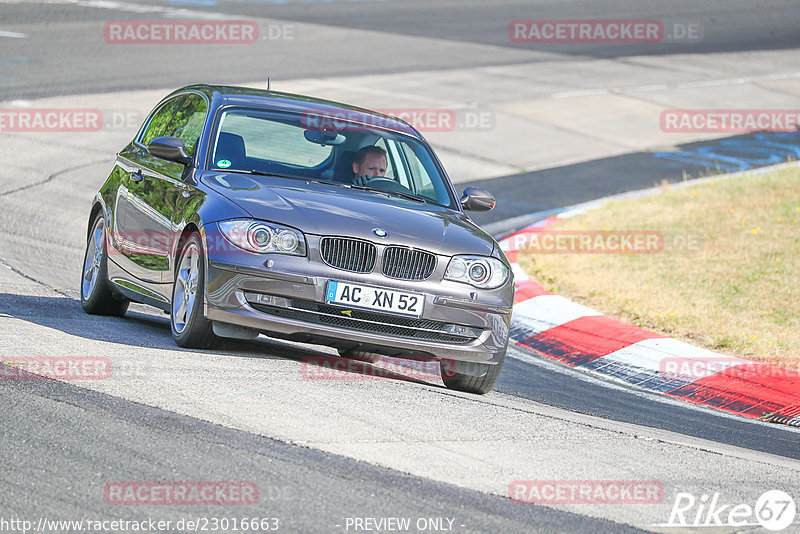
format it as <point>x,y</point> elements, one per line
<point>467,382</point>
<point>190,328</point>
<point>96,295</point>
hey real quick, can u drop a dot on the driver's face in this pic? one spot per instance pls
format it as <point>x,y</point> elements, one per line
<point>373,165</point>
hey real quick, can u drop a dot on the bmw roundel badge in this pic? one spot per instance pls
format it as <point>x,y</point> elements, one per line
<point>380,233</point>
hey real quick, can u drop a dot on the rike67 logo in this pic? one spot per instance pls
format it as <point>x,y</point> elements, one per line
<point>774,510</point>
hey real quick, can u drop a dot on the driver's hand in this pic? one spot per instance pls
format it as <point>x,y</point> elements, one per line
<point>361,181</point>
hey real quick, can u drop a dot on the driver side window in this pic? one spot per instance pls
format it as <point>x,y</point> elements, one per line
<point>419,170</point>
<point>161,119</point>
<point>182,117</point>
<point>396,166</point>
<point>390,164</point>
<point>187,124</point>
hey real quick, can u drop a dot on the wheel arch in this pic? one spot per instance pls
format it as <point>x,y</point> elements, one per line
<point>97,207</point>
<point>188,230</point>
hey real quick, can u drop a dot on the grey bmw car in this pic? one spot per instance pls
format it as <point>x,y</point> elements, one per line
<point>243,212</point>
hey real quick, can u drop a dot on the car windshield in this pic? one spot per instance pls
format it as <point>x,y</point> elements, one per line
<point>333,151</point>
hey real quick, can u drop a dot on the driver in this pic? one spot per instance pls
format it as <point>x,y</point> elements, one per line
<point>368,163</point>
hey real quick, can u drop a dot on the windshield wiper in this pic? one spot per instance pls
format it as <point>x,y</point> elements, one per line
<point>259,173</point>
<point>265,173</point>
<point>409,196</point>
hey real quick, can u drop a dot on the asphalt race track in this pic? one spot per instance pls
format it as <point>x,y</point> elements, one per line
<point>728,26</point>
<point>325,452</point>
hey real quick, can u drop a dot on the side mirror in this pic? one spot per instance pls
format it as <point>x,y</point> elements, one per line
<point>477,199</point>
<point>169,148</point>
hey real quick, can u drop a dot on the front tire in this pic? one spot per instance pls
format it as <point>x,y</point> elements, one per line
<point>190,328</point>
<point>96,295</point>
<point>468,383</point>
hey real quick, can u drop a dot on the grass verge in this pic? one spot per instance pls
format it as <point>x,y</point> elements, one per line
<point>727,277</point>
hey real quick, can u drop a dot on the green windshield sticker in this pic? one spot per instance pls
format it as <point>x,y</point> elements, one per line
<point>223,164</point>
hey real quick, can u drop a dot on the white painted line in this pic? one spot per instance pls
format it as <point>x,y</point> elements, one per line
<point>682,85</point>
<point>169,12</point>
<point>585,92</point>
<point>13,35</point>
<point>38,1</point>
<point>742,80</point>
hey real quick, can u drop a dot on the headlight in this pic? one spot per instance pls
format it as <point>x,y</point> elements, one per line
<point>262,237</point>
<point>479,271</point>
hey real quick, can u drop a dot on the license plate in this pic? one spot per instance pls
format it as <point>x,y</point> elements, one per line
<point>374,298</point>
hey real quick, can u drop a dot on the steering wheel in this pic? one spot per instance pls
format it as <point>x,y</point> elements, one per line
<point>387,184</point>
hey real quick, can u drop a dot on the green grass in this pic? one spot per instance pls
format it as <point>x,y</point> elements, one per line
<point>728,278</point>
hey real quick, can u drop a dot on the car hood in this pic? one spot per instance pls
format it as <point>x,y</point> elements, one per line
<point>326,209</point>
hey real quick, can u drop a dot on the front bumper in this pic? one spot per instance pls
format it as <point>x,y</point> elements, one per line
<point>302,314</point>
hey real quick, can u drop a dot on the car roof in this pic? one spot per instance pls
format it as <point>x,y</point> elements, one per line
<point>278,101</point>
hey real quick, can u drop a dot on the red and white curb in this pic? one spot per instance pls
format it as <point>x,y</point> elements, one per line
<point>579,337</point>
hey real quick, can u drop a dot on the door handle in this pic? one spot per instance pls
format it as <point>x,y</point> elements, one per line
<point>137,177</point>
